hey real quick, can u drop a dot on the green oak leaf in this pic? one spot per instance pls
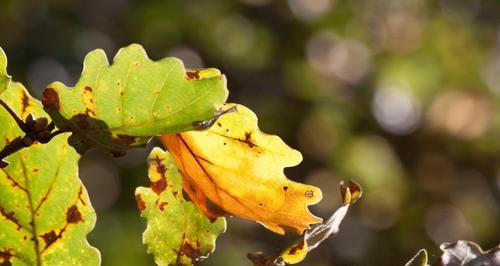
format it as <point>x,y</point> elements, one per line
<point>119,107</point>
<point>4,77</point>
<point>177,232</point>
<point>45,213</point>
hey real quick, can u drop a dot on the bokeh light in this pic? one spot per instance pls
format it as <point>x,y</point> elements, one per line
<point>401,96</point>
<point>396,110</point>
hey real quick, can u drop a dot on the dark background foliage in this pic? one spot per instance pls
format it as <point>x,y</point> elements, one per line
<point>402,96</point>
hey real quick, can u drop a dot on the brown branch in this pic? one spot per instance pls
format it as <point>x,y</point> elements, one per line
<point>36,130</point>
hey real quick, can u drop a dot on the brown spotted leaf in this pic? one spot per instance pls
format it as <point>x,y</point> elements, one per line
<point>234,169</point>
<point>177,232</point>
<point>119,107</point>
<point>45,213</point>
<point>311,238</point>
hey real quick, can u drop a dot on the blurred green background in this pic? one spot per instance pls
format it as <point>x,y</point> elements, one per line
<point>402,96</point>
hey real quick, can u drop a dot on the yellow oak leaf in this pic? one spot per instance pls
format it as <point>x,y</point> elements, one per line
<point>234,169</point>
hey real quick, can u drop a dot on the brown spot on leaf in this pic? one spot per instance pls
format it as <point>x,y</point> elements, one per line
<point>140,202</point>
<point>49,238</point>
<point>219,124</point>
<point>5,257</point>
<point>285,188</point>
<point>175,193</point>
<point>50,99</point>
<point>15,183</point>
<point>10,216</point>
<point>296,248</point>
<point>162,205</point>
<point>248,139</point>
<point>73,215</point>
<point>192,75</point>
<point>160,185</point>
<point>34,170</point>
<point>309,193</point>
<point>80,196</point>
<point>190,251</point>
<point>25,103</point>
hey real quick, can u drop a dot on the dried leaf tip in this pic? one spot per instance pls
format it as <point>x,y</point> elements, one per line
<point>350,192</point>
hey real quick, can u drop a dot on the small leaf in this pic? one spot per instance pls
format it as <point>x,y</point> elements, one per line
<point>119,107</point>
<point>420,259</point>
<point>311,238</point>
<point>295,253</point>
<point>351,192</point>
<point>177,232</point>
<point>4,77</point>
<point>234,169</point>
<point>45,213</point>
<point>466,253</point>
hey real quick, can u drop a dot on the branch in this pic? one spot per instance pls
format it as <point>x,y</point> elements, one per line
<point>36,130</point>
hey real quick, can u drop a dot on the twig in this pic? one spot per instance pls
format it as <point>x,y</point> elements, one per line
<point>36,130</point>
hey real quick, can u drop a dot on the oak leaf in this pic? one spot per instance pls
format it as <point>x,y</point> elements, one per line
<point>177,232</point>
<point>234,169</point>
<point>45,212</point>
<point>120,106</point>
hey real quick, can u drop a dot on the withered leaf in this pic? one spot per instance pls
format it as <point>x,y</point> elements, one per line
<point>234,169</point>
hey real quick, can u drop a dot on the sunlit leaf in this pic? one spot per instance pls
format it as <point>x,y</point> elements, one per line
<point>118,107</point>
<point>45,213</point>
<point>420,259</point>
<point>177,233</point>
<point>311,238</point>
<point>466,253</point>
<point>235,169</point>
<point>4,77</point>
